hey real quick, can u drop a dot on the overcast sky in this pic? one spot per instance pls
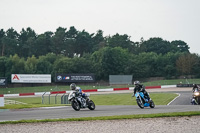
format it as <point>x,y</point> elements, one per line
<point>168,19</point>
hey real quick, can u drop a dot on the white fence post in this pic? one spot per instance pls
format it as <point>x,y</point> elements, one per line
<point>1,101</point>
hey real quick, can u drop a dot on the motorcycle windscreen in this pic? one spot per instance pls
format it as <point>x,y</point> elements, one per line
<point>136,94</point>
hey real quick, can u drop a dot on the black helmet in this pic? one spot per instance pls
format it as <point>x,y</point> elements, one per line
<point>73,86</point>
<point>136,82</point>
<point>194,85</point>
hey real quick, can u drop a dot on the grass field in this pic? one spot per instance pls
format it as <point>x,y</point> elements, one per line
<point>103,99</point>
<point>126,99</point>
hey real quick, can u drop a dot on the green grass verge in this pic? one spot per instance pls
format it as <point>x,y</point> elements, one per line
<point>103,99</point>
<point>174,114</point>
<point>126,99</point>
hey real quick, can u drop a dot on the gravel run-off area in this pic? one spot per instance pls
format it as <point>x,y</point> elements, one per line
<point>147,125</point>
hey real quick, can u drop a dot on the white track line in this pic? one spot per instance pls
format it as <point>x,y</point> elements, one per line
<point>56,107</point>
<point>174,98</point>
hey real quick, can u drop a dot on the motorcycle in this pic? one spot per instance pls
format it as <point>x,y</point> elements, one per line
<point>143,101</point>
<point>195,97</point>
<point>78,101</point>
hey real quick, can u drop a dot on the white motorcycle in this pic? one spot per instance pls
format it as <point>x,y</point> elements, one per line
<point>78,101</point>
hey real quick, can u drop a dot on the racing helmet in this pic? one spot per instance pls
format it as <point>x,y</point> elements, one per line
<point>194,85</point>
<point>73,86</point>
<point>136,82</point>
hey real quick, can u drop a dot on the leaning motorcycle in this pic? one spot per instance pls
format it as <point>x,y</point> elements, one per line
<point>143,101</point>
<point>195,97</point>
<point>78,101</point>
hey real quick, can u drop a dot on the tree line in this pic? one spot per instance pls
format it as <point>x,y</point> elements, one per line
<point>73,51</point>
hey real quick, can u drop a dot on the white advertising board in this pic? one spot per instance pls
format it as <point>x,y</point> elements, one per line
<point>31,78</point>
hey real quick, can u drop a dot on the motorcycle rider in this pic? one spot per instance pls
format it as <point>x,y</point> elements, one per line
<point>195,86</point>
<point>140,88</point>
<point>79,92</point>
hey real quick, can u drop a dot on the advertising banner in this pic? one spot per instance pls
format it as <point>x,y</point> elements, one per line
<point>31,78</point>
<point>184,85</point>
<point>3,81</point>
<point>75,78</point>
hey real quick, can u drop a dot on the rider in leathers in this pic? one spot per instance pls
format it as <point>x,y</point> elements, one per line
<point>78,92</point>
<point>195,87</point>
<point>140,88</point>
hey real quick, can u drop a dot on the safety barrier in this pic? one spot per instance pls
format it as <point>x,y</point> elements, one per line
<point>54,98</point>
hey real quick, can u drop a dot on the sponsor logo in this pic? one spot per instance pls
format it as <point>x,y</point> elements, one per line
<point>15,77</point>
<point>66,78</point>
<point>2,81</point>
<point>59,78</point>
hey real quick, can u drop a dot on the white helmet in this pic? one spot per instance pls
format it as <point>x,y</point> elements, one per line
<point>73,86</point>
<point>136,82</point>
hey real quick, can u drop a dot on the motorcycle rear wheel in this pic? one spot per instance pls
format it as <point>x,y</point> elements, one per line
<point>198,100</point>
<point>75,105</point>
<point>91,105</point>
<point>140,104</point>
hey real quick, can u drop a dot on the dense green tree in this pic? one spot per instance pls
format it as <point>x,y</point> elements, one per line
<point>186,63</point>
<point>157,45</point>
<point>2,46</point>
<point>179,46</point>
<point>27,42</point>
<point>110,61</point>
<point>43,44</point>
<point>122,41</point>
<point>3,60</point>
<point>44,66</point>
<point>10,42</point>
<point>59,41</point>
<point>31,65</point>
<point>98,40</point>
<point>73,65</point>
<point>144,65</point>
<point>83,43</point>
<point>70,47</point>
<point>76,51</point>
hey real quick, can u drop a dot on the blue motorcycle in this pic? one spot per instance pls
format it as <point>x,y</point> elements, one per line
<point>142,101</point>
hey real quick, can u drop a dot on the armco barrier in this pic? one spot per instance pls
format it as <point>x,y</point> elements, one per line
<point>93,90</point>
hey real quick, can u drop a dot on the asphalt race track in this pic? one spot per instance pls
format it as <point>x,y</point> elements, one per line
<point>184,99</point>
<point>180,104</point>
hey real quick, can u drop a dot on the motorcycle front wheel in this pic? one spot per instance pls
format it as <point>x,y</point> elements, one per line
<point>75,105</point>
<point>140,103</point>
<point>91,105</point>
<point>198,100</point>
<point>152,105</point>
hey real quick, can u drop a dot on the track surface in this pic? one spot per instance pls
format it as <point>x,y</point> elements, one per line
<point>181,104</point>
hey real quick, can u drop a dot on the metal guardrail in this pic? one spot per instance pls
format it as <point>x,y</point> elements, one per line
<point>63,100</point>
<point>43,98</point>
